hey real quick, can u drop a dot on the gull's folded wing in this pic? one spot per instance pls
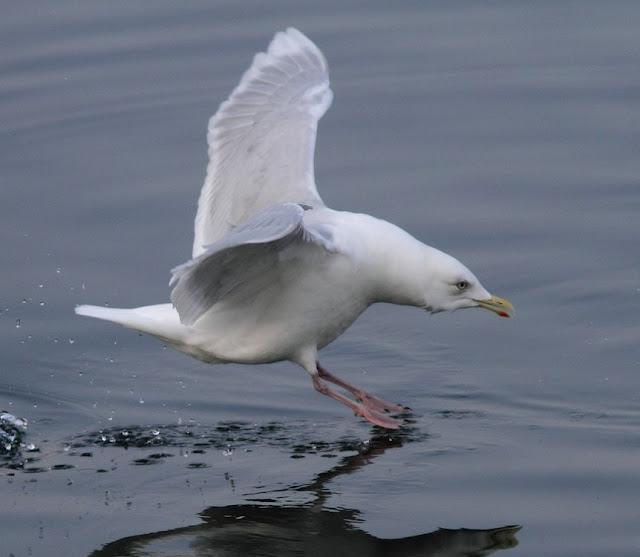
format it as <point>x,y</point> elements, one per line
<point>247,261</point>
<point>262,139</point>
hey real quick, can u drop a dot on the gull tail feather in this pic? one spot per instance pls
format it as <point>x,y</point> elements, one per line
<point>160,320</point>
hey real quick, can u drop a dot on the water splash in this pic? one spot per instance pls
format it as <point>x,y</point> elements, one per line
<point>12,432</point>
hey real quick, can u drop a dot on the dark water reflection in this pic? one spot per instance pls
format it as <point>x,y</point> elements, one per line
<point>310,529</point>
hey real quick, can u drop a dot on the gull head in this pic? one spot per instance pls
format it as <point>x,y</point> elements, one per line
<point>452,286</point>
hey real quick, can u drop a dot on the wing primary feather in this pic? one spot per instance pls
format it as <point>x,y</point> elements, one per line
<point>262,138</point>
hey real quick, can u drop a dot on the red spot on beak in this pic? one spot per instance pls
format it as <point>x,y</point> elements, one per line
<point>503,314</point>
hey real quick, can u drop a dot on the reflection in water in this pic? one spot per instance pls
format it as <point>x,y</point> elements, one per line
<point>308,529</point>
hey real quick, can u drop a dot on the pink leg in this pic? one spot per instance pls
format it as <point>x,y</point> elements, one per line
<point>369,400</point>
<point>358,409</point>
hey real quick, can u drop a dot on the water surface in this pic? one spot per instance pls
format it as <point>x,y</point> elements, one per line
<point>503,133</point>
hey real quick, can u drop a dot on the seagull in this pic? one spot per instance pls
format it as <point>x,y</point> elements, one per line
<point>275,274</point>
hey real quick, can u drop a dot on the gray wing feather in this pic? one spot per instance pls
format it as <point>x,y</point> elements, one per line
<point>239,261</point>
<point>262,139</point>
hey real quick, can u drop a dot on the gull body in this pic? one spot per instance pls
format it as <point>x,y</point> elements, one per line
<point>275,274</point>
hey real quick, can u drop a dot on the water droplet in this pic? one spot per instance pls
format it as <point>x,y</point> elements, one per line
<point>42,304</point>
<point>58,270</point>
<point>18,323</point>
<point>71,341</point>
<point>141,401</point>
<point>24,301</point>
<point>41,286</point>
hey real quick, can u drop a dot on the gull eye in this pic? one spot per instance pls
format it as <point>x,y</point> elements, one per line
<point>462,285</point>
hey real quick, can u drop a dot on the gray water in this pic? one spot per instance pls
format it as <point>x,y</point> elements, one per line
<point>505,133</point>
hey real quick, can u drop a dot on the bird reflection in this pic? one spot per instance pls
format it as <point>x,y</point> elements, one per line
<point>307,529</point>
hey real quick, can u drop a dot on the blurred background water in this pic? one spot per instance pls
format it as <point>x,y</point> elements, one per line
<point>502,132</point>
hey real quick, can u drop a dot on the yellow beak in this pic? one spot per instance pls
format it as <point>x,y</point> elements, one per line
<point>498,305</point>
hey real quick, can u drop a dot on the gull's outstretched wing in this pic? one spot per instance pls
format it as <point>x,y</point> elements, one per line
<point>262,139</point>
<point>248,260</point>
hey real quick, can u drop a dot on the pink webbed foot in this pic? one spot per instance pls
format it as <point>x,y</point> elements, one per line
<point>371,408</point>
<point>367,399</point>
<point>376,418</point>
<point>378,404</point>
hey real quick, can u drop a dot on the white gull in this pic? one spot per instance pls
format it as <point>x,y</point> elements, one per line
<point>275,274</point>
